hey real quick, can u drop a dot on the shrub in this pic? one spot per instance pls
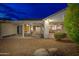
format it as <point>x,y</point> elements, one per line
<point>71,21</point>
<point>59,35</point>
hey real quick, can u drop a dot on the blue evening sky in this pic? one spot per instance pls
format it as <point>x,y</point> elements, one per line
<point>25,11</point>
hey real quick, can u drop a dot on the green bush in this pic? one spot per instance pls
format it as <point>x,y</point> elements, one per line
<point>71,21</point>
<point>59,35</point>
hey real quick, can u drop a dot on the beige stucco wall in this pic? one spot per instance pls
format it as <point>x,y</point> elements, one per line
<point>8,29</point>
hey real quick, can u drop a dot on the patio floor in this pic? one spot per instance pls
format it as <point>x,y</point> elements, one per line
<point>26,46</point>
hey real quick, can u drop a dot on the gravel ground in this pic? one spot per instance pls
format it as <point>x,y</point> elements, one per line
<point>26,46</point>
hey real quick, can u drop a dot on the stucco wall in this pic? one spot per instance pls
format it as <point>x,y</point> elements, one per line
<point>8,29</point>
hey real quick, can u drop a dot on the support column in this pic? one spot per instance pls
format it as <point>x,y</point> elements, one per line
<point>23,30</point>
<point>46,29</point>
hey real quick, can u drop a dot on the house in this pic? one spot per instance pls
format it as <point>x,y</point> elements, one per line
<point>54,23</point>
<point>35,28</point>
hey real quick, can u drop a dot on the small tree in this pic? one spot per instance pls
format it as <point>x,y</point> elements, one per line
<point>71,21</point>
